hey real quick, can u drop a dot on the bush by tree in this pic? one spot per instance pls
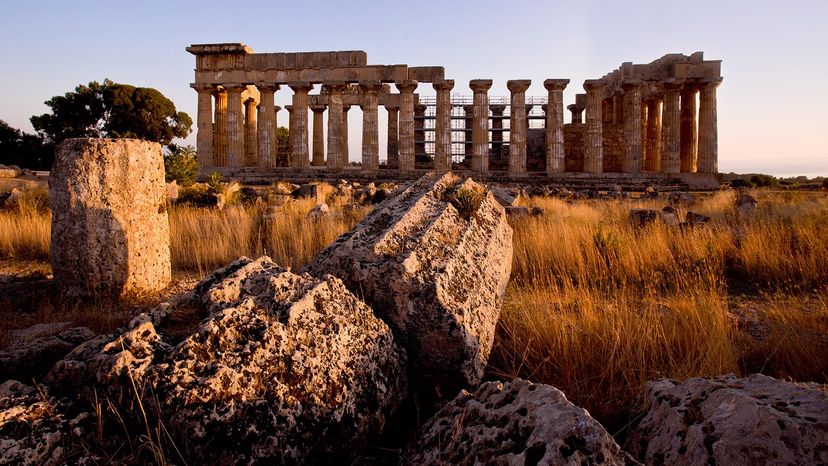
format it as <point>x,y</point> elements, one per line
<point>740,183</point>
<point>181,165</point>
<point>764,180</point>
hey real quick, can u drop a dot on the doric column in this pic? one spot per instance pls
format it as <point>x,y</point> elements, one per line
<point>419,129</point>
<point>204,142</point>
<point>480,125</point>
<point>517,125</point>
<point>251,147</point>
<point>643,119</point>
<point>393,137</point>
<point>335,114</point>
<point>687,132</point>
<point>344,148</point>
<point>318,157</point>
<point>708,161</point>
<point>266,132</point>
<point>497,129</point>
<point>468,128</point>
<point>653,161</point>
<point>578,108</point>
<point>370,125</point>
<point>670,139</point>
<point>594,140</point>
<point>220,129</point>
<point>633,148</point>
<point>299,157</point>
<point>406,124</point>
<point>291,132</point>
<point>554,125</point>
<point>442,126</point>
<point>235,126</point>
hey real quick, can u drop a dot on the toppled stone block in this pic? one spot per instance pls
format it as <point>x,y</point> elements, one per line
<point>670,217</point>
<point>693,219</point>
<point>110,231</point>
<point>33,357</point>
<point>434,262</point>
<point>640,218</point>
<point>517,211</point>
<point>756,420</point>
<point>12,171</point>
<point>506,197</point>
<point>745,204</point>
<point>517,423</point>
<point>320,212</point>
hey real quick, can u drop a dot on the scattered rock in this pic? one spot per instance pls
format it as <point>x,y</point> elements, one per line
<point>506,197</point>
<point>13,199</point>
<point>745,204</point>
<point>670,217</point>
<point>516,211</point>
<point>435,273</point>
<point>517,423</point>
<point>537,211</point>
<point>320,212</point>
<point>640,218</point>
<point>33,357</point>
<point>681,199</point>
<point>12,171</point>
<point>757,420</point>
<point>693,219</point>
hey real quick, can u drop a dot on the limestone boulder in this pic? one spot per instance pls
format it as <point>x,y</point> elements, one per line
<point>33,357</point>
<point>14,198</point>
<point>320,212</point>
<point>745,204</point>
<point>693,219</point>
<point>506,197</point>
<point>670,217</point>
<point>640,218</point>
<point>433,261</point>
<point>12,171</point>
<point>517,211</point>
<point>756,420</point>
<point>513,423</point>
<point>110,230</point>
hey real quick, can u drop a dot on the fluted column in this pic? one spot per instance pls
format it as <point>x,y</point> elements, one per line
<point>344,147</point>
<point>335,114</point>
<point>220,129</point>
<point>633,148</point>
<point>480,125</point>
<point>419,130</point>
<point>517,126</point>
<point>299,157</point>
<point>318,156</point>
<point>688,129</point>
<point>708,160</point>
<point>670,127</point>
<point>393,137</point>
<point>497,129</point>
<point>554,126</point>
<point>266,131</point>
<point>442,126</point>
<point>235,126</point>
<point>653,161</point>
<point>406,124</point>
<point>594,140</point>
<point>251,147</point>
<point>370,125</point>
<point>204,142</point>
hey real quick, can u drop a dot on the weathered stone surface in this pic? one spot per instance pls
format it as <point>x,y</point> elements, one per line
<point>516,211</point>
<point>670,217</point>
<point>320,212</point>
<point>640,218</point>
<point>33,357</point>
<point>517,423</point>
<point>13,200</point>
<point>757,420</point>
<point>436,273</point>
<point>745,204</point>
<point>693,219</point>
<point>506,197</point>
<point>173,191</point>
<point>12,171</point>
<point>110,231</point>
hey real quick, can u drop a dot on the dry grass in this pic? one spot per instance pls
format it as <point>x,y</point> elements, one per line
<point>24,229</point>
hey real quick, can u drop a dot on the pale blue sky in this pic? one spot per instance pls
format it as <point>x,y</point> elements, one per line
<point>773,104</point>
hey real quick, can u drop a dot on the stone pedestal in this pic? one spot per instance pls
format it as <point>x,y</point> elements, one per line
<point>370,125</point>
<point>554,125</point>
<point>318,158</point>
<point>634,149</point>
<point>594,141</point>
<point>406,124</point>
<point>688,129</point>
<point>670,127</point>
<point>204,140</point>
<point>708,155</point>
<point>335,114</point>
<point>653,161</point>
<point>392,149</point>
<point>517,126</point>
<point>235,126</point>
<point>266,131</point>
<point>110,231</point>
<point>251,147</point>
<point>480,125</point>
<point>220,129</point>
<point>442,128</point>
<point>299,156</point>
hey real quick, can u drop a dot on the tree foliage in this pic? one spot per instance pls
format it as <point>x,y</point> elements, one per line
<point>23,149</point>
<point>181,165</point>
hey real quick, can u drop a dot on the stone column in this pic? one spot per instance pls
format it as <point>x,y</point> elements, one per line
<point>419,130</point>
<point>266,132</point>
<point>594,140</point>
<point>299,157</point>
<point>687,132</point>
<point>406,124</point>
<point>517,126</point>
<point>235,126</point>
<point>343,148</point>
<point>220,129</point>
<point>442,126</point>
<point>643,106</point>
<point>497,129</point>
<point>392,149</point>
<point>554,126</point>
<point>291,132</point>
<point>335,114</point>
<point>670,127</point>
<point>204,142</point>
<point>633,148</point>
<point>653,161</point>
<point>468,128</point>
<point>318,159</point>
<point>578,108</point>
<point>708,160</point>
<point>370,125</point>
<point>480,125</point>
<point>251,148</point>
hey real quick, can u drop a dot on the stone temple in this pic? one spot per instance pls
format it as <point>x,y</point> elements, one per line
<point>654,122</point>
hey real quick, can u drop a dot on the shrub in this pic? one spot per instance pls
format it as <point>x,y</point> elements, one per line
<point>741,183</point>
<point>181,165</point>
<point>467,201</point>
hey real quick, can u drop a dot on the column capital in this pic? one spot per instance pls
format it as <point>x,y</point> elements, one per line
<point>631,84</point>
<point>518,85</point>
<point>370,86</point>
<point>480,85</point>
<point>593,85</point>
<point>289,108</point>
<point>392,108</point>
<point>497,108</point>
<point>444,85</point>
<point>710,83</point>
<point>251,100</point>
<point>277,108</point>
<point>333,86</point>
<point>346,107</point>
<point>545,108</point>
<point>469,109</point>
<point>234,87</point>
<point>420,108</point>
<point>408,85</point>
<point>317,108</point>
<point>267,87</point>
<point>529,107</point>
<point>203,87</point>
<point>300,86</point>
<point>555,84</point>
<point>671,84</point>
<point>575,108</point>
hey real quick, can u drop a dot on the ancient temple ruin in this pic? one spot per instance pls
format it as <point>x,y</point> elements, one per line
<point>637,121</point>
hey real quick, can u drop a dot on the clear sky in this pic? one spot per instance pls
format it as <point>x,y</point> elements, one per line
<point>773,104</point>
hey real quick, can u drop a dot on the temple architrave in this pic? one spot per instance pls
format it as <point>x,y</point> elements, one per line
<point>641,121</point>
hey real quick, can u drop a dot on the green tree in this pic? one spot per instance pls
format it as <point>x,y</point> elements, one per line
<point>112,110</point>
<point>23,149</point>
<point>181,165</point>
<point>282,146</point>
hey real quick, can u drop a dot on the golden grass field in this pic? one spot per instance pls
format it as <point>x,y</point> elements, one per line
<point>594,307</point>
